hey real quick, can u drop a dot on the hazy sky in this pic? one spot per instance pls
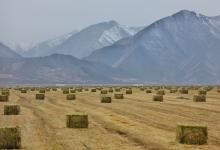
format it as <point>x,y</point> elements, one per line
<point>38,20</point>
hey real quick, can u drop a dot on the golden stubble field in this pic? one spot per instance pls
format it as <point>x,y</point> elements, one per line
<point>133,123</point>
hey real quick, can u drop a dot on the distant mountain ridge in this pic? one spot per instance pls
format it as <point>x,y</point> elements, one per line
<point>57,69</point>
<point>82,43</point>
<point>6,52</point>
<point>43,48</point>
<point>184,47</point>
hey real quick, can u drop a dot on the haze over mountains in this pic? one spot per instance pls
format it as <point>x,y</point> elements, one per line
<point>84,42</point>
<point>182,48</point>
<point>6,52</point>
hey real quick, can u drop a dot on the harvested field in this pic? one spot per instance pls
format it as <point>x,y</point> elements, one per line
<point>132,123</point>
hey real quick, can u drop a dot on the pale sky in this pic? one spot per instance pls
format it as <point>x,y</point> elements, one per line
<point>37,20</point>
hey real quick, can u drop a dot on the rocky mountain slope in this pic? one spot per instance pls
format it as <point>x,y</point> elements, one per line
<point>184,47</point>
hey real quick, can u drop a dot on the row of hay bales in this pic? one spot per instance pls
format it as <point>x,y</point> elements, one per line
<point>200,97</point>
<point>180,88</point>
<point>185,133</point>
<point>173,89</point>
<point>10,137</point>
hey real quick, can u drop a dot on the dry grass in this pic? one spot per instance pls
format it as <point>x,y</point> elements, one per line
<point>135,123</point>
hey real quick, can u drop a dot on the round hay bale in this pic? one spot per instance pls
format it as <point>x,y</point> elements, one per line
<point>158,98</point>
<point>40,96</point>
<point>10,138</point>
<point>199,98</point>
<point>71,97</point>
<point>77,120</point>
<point>191,134</point>
<point>118,96</point>
<point>4,98</point>
<point>11,109</point>
<point>106,99</point>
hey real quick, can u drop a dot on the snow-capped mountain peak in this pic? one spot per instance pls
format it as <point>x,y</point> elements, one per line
<point>158,51</point>
<point>59,40</point>
<point>84,42</point>
<point>115,34</point>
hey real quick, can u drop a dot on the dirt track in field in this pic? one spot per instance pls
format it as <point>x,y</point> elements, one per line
<point>133,123</point>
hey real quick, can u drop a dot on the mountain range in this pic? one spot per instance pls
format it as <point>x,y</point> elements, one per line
<point>182,48</point>
<point>56,68</point>
<point>6,52</point>
<point>82,43</point>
